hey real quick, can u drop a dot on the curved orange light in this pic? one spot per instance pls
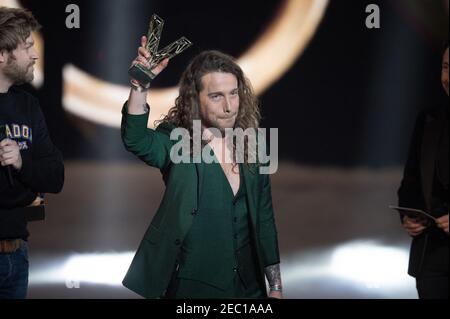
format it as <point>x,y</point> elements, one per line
<point>272,54</point>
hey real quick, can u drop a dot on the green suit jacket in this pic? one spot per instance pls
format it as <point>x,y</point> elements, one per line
<point>152,267</point>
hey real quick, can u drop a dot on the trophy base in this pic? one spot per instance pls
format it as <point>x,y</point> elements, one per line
<point>34,214</point>
<point>142,75</point>
<point>28,214</point>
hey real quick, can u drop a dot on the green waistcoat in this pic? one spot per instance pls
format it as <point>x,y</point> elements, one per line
<point>221,225</point>
<point>156,258</point>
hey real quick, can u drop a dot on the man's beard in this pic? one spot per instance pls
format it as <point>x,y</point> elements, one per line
<point>17,74</point>
<point>218,124</point>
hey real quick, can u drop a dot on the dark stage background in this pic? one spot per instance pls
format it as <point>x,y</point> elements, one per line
<point>345,112</point>
<point>351,99</point>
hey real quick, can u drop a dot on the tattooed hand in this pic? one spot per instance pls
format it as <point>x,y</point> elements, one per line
<point>273,275</point>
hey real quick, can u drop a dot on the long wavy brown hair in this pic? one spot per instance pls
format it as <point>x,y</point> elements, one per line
<point>187,104</point>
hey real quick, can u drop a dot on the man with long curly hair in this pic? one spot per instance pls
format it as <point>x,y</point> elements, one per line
<point>214,234</point>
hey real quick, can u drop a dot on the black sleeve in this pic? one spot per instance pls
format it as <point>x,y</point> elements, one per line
<point>410,193</point>
<point>43,171</point>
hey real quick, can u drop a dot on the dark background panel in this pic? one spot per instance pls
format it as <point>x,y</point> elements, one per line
<point>350,100</point>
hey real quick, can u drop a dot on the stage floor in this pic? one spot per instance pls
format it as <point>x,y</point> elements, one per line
<point>338,239</point>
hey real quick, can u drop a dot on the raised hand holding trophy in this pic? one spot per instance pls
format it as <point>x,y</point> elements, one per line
<point>145,75</point>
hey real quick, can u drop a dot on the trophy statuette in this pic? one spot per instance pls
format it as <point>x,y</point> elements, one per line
<point>144,75</point>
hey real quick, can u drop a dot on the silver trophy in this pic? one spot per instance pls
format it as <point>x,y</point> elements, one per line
<point>144,75</point>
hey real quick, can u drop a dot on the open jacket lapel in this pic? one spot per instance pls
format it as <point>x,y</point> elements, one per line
<point>250,177</point>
